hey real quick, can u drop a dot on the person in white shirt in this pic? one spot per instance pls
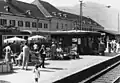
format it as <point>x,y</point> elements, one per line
<point>8,53</point>
<point>117,47</point>
<point>59,51</point>
<point>26,53</point>
<point>35,47</point>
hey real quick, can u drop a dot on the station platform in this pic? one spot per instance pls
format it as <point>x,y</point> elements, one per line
<point>55,69</point>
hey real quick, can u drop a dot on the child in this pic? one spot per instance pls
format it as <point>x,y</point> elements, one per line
<point>36,73</point>
<point>19,59</point>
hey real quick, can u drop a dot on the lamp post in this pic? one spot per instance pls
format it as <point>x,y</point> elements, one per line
<point>118,23</point>
<point>80,18</point>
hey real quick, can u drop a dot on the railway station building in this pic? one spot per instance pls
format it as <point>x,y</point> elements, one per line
<point>42,18</point>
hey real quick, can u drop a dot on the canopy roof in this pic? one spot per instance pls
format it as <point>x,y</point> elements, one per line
<point>111,32</point>
<point>70,32</point>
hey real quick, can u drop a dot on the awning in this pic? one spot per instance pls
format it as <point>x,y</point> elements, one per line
<point>75,32</point>
<point>109,32</point>
<point>62,32</point>
<point>31,32</point>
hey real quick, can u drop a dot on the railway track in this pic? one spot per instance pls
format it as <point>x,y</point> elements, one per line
<point>111,74</point>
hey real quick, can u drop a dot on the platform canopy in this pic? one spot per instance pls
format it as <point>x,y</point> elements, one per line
<point>75,32</point>
<point>70,32</point>
<point>111,32</point>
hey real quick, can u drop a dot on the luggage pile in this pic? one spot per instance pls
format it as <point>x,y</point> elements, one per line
<point>5,67</point>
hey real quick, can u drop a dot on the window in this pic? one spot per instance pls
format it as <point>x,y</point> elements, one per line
<point>25,37</point>
<point>10,36</point>
<point>34,24</point>
<point>83,21</point>
<point>90,29</point>
<point>40,25</point>
<point>57,26</point>
<point>19,36</point>
<point>12,22</point>
<point>67,26</point>
<point>20,23</point>
<point>3,21</point>
<point>27,24</point>
<point>7,8</point>
<point>45,25</point>
<point>83,28</point>
<point>62,25</point>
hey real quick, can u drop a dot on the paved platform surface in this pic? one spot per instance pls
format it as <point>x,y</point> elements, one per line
<point>55,69</point>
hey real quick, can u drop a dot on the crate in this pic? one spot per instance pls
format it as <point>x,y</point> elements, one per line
<point>5,67</point>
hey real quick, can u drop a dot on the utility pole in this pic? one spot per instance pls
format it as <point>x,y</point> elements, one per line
<point>118,23</point>
<point>80,19</point>
<point>37,23</point>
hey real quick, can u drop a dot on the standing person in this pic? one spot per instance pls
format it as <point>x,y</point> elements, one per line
<point>8,53</point>
<point>43,55</point>
<point>109,46</point>
<point>35,47</point>
<point>53,50</point>
<point>25,56</point>
<point>114,45</point>
<point>59,51</point>
<point>118,47</point>
<point>101,48</point>
<point>36,73</point>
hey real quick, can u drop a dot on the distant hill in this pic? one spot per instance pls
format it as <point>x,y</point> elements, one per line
<point>107,17</point>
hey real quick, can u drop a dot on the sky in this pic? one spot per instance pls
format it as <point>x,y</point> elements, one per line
<point>113,3</point>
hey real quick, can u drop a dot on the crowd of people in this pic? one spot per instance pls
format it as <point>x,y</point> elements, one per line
<point>113,46</point>
<point>20,54</point>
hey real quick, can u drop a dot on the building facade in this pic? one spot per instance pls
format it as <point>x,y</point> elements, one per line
<point>22,16</point>
<point>41,16</point>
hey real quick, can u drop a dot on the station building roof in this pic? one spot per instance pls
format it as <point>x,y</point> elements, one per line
<point>51,9</point>
<point>54,12</point>
<point>18,7</point>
